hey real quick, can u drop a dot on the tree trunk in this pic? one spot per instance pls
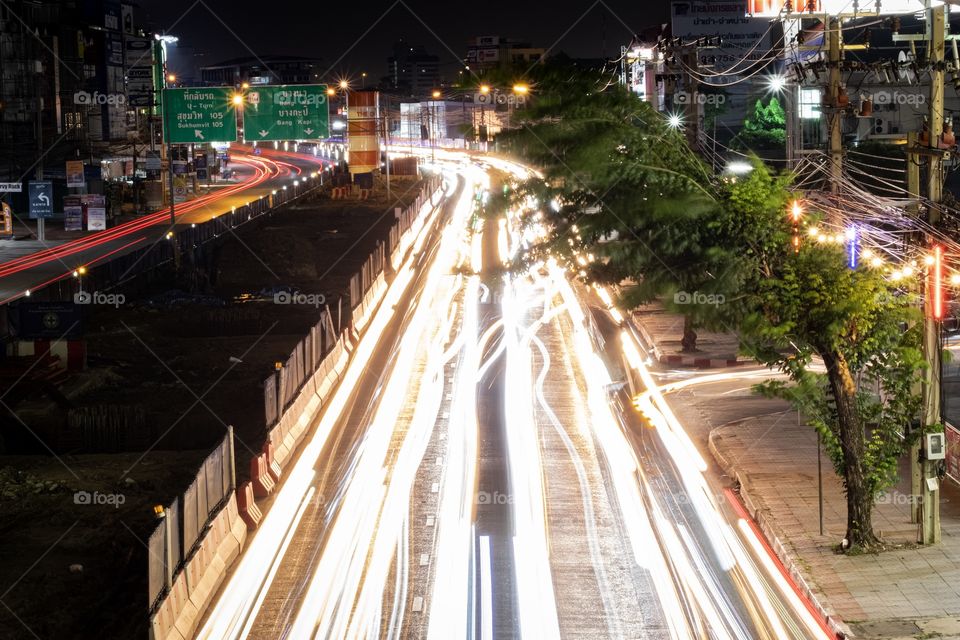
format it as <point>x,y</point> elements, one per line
<point>689,340</point>
<point>852,441</point>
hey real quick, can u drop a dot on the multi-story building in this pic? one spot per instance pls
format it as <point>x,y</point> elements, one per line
<point>263,70</point>
<point>412,71</point>
<point>63,81</point>
<point>491,52</point>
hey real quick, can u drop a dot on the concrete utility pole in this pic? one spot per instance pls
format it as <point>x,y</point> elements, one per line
<point>913,189</point>
<point>834,42</point>
<point>930,505</point>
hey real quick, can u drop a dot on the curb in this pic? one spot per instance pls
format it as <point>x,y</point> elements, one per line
<point>787,557</point>
<point>681,360</point>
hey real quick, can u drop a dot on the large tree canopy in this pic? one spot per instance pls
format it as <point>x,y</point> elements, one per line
<point>620,184</point>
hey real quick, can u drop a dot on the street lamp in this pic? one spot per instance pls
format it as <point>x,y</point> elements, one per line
<point>675,121</point>
<point>521,89</point>
<point>237,99</point>
<point>171,78</point>
<point>436,93</point>
<point>331,91</point>
<point>776,83</point>
<point>344,85</point>
<point>484,88</point>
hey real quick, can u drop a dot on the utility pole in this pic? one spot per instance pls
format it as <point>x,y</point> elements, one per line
<point>690,64</point>
<point>930,504</point>
<point>834,37</point>
<point>913,189</point>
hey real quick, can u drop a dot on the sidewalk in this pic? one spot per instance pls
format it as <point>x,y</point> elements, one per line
<point>899,594</point>
<point>664,331</point>
<point>907,593</point>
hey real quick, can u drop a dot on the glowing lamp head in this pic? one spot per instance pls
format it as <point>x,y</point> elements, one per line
<point>237,100</point>
<point>675,121</point>
<point>484,88</point>
<point>331,91</point>
<point>344,84</point>
<point>522,89</point>
<point>436,93</point>
<point>776,83</point>
<point>171,77</point>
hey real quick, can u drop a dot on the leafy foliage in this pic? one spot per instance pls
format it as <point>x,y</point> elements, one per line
<point>623,187</point>
<point>766,127</point>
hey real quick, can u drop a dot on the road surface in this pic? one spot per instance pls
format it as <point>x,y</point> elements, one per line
<point>482,472</point>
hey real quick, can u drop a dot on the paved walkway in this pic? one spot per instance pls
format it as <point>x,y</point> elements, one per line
<point>912,592</point>
<point>665,330</point>
<point>908,593</point>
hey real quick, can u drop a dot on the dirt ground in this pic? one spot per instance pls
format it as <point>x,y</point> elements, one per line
<point>167,354</point>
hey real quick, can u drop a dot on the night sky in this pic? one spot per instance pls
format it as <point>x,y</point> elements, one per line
<point>328,29</point>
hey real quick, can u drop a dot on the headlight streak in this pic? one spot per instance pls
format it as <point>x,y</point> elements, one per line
<point>359,549</point>
<point>586,497</point>
<point>623,465</point>
<point>534,583</point>
<point>668,427</point>
<point>241,595</point>
<point>449,610</point>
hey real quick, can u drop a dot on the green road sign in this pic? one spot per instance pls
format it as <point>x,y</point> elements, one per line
<point>286,112</point>
<point>204,114</point>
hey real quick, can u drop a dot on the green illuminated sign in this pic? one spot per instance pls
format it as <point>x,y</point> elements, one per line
<point>286,112</point>
<point>199,115</point>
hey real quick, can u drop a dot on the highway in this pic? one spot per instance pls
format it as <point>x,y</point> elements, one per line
<point>482,472</point>
<point>29,265</point>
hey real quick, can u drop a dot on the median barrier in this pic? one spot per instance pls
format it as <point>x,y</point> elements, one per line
<point>263,484</point>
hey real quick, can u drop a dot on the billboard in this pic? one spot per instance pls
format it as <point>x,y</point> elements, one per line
<point>743,40</point>
<point>774,8</point>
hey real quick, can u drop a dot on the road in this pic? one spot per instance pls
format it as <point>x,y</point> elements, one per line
<point>30,265</point>
<point>482,472</point>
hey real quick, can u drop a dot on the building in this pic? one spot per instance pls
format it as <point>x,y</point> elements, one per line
<point>63,94</point>
<point>412,71</point>
<point>492,52</point>
<point>263,70</point>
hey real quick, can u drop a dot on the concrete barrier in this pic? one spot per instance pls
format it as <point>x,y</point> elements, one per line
<point>249,511</point>
<point>263,483</point>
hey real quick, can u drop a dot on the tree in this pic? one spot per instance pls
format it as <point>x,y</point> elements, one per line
<point>766,128</point>
<point>623,182</point>
<point>865,331</point>
<point>625,188</point>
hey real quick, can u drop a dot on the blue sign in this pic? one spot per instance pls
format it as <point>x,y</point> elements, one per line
<point>41,199</point>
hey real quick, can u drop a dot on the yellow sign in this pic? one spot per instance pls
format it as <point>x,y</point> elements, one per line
<point>6,220</point>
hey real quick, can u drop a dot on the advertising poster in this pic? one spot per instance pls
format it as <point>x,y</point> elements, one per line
<point>72,214</point>
<point>75,177</point>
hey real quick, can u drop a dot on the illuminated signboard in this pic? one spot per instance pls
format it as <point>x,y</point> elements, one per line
<point>774,8</point>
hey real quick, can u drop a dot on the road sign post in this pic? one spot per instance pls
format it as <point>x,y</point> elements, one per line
<point>199,115</point>
<point>40,194</point>
<point>286,112</point>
